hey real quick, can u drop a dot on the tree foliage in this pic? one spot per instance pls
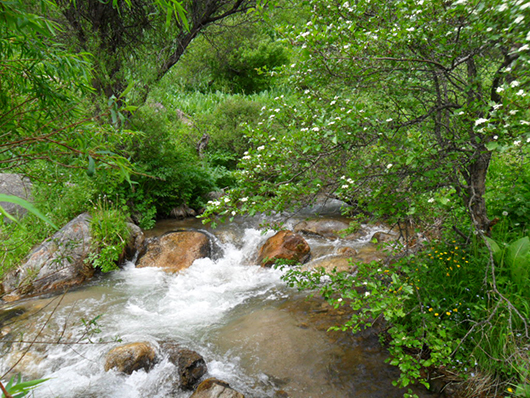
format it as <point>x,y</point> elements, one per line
<point>42,113</point>
<point>136,41</point>
<point>406,101</point>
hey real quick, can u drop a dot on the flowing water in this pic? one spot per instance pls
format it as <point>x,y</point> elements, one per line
<point>254,332</point>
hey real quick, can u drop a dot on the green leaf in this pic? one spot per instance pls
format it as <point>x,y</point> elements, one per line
<point>91,166</point>
<point>24,204</point>
<point>518,259</point>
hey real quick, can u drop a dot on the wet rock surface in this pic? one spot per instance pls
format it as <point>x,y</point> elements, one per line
<point>135,243</point>
<point>56,264</point>
<point>190,364</point>
<point>214,388</point>
<point>130,357</point>
<point>285,245</point>
<point>175,251</point>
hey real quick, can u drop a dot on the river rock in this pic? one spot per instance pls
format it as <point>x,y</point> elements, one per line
<point>130,357</point>
<point>338,263</point>
<point>57,264</point>
<point>383,237</point>
<point>16,185</point>
<point>190,365</point>
<point>175,251</point>
<point>183,211</point>
<point>324,227</point>
<point>214,388</point>
<point>347,252</point>
<point>135,243</point>
<point>284,245</point>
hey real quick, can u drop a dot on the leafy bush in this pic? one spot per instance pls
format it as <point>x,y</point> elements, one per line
<point>109,231</point>
<point>60,195</point>
<point>234,59</point>
<point>168,172</point>
<point>441,313</point>
<point>508,192</point>
<point>226,126</point>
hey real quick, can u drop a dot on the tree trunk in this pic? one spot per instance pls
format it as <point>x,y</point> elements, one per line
<point>475,175</point>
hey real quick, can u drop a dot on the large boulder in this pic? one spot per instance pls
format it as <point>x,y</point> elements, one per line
<point>191,366</point>
<point>16,185</point>
<point>130,357</point>
<point>58,263</point>
<point>61,261</point>
<point>175,251</point>
<point>285,245</point>
<point>214,388</point>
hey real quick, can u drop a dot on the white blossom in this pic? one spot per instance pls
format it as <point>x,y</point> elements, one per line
<point>388,166</point>
<point>261,148</point>
<point>480,121</point>
<point>515,83</point>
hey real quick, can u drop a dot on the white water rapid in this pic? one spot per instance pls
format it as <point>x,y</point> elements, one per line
<point>253,331</point>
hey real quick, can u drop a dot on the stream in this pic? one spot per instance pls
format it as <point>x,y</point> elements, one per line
<point>262,337</point>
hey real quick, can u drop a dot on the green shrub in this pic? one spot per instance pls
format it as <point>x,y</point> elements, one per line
<point>110,234</point>
<point>442,308</point>
<point>508,193</point>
